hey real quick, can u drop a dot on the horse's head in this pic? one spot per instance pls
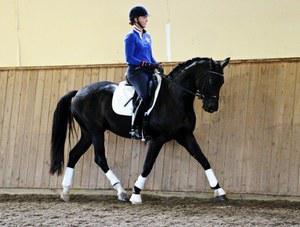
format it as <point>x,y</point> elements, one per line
<point>202,77</point>
<point>209,80</point>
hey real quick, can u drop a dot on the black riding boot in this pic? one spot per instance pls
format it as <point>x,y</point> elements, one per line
<point>137,127</point>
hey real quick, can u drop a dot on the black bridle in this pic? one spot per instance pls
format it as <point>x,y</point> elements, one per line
<point>199,92</point>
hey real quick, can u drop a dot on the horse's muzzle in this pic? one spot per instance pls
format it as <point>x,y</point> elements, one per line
<point>211,105</point>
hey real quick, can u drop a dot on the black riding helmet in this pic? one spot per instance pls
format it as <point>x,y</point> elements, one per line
<point>135,12</point>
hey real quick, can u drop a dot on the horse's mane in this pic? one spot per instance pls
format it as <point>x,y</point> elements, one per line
<point>183,65</point>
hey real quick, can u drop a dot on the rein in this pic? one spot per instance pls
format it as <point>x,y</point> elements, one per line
<point>198,93</point>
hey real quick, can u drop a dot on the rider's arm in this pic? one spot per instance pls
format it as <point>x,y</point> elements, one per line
<point>153,61</point>
<point>129,50</point>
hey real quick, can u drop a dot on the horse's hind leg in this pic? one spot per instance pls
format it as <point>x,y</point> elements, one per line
<point>100,159</point>
<point>78,150</point>
<point>189,142</point>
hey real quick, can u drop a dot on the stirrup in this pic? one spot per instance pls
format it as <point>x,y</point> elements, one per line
<point>135,134</point>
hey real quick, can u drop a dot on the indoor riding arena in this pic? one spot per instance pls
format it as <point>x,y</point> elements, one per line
<point>48,49</point>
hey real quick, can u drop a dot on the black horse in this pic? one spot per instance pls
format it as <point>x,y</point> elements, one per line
<point>91,107</point>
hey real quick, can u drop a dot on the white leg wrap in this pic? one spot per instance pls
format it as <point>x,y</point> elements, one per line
<point>219,192</point>
<point>212,180</point>
<point>136,199</point>
<point>68,178</point>
<point>140,183</point>
<point>112,177</point>
<point>119,188</point>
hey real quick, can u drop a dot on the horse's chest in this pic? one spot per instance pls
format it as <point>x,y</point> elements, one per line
<point>176,125</point>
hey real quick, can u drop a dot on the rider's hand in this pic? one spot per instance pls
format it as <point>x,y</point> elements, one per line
<point>148,66</point>
<point>160,68</point>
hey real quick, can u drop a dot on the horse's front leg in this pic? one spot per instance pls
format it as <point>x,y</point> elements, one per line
<point>189,142</point>
<point>152,153</point>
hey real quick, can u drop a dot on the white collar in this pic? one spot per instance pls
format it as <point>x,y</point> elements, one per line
<point>139,31</point>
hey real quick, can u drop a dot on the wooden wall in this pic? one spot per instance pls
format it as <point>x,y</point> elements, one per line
<point>252,142</point>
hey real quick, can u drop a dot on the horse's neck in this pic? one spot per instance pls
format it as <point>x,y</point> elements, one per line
<point>186,80</point>
<point>178,88</point>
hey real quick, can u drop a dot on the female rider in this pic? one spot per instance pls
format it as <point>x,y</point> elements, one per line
<point>141,64</point>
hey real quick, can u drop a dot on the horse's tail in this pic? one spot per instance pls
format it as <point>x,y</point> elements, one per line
<point>61,119</point>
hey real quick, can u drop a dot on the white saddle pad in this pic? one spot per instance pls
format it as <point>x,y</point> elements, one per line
<point>124,93</point>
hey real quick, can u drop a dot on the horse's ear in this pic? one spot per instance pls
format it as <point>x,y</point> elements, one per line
<point>224,62</point>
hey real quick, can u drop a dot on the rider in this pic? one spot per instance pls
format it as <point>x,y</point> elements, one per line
<point>141,64</point>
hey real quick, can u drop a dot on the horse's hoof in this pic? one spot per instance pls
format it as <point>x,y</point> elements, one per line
<point>65,197</point>
<point>136,199</point>
<point>123,197</point>
<point>221,198</point>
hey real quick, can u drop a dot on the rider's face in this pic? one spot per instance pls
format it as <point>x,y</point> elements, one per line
<point>143,20</point>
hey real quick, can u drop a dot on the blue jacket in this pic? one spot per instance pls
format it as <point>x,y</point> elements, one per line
<point>138,49</point>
